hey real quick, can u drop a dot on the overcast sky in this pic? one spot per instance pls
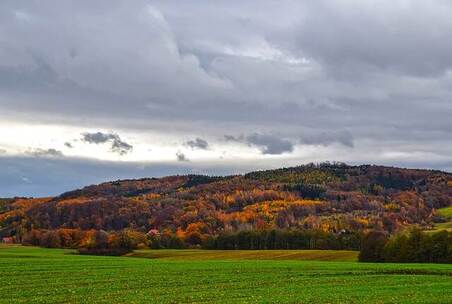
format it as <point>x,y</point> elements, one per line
<point>92,91</point>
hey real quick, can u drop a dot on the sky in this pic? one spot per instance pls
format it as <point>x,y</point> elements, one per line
<point>92,91</point>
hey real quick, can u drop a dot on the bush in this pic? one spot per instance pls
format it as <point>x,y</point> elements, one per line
<point>104,251</point>
<point>50,239</point>
<point>32,238</point>
<point>127,239</point>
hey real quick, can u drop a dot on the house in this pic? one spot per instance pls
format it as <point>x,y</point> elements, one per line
<point>8,240</point>
<point>153,232</point>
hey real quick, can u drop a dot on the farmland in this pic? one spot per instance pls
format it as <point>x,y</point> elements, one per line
<point>446,213</point>
<point>196,254</point>
<point>36,275</point>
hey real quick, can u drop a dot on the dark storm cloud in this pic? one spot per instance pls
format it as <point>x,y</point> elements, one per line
<point>266,143</point>
<point>270,144</point>
<point>38,152</point>
<point>98,137</point>
<point>181,157</point>
<point>325,139</point>
<point>117,145</point>
<point>121,147</point>
<point>232,138</point>
<point>198,143</point>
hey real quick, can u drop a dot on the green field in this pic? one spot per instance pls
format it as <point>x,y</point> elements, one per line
<point>35,275</point>
<point>446,212</point>
<point>315,255</point>
<point>443,226</point>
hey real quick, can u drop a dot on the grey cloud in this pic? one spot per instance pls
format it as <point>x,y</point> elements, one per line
<point>232,138</point>
<point>327,138</point>
<point>270,144</point>
<point>239,71</point>
<point>121,147</point>
<point>389,36</point>
<point>38,74</point>
<point>198,143</point>
<point>117,145</point>
<point>2,151</point>
<point>181,157</point>
<point>266,143</point>
<point>38,152</point>
<point>69,145</point>
<point>98,137</point>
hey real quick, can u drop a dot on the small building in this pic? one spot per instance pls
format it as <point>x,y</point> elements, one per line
<point>8,240</point>
<point>153,232</point>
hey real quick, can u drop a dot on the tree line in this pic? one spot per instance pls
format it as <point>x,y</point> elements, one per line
<point>102,242</point>
<point>413,246</point>
<point>285,239</point>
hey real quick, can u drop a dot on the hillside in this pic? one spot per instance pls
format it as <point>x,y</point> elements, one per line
<point>329,198</point>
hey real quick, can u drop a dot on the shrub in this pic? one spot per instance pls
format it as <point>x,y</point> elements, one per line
<point>50,239</point>
<point>104,251</point>
<point>32,238</point>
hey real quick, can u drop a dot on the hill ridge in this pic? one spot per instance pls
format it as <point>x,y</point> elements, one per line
<point>328,197</point>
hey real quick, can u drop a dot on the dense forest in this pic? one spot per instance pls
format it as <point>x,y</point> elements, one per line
<point>326,206</point>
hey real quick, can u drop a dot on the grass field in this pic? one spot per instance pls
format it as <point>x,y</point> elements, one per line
<point>35,275</point>
<point>443,226</point>
<point>317,255</point>
<point>446,213</point>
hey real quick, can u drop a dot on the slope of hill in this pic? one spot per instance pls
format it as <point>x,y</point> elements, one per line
<point>333,198</point>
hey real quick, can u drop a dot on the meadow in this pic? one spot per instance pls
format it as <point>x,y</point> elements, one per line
<point>446,213</point>
<point>37,275</point>
<point>198,254</point>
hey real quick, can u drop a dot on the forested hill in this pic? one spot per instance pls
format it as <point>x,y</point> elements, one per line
<point>333,198</point>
